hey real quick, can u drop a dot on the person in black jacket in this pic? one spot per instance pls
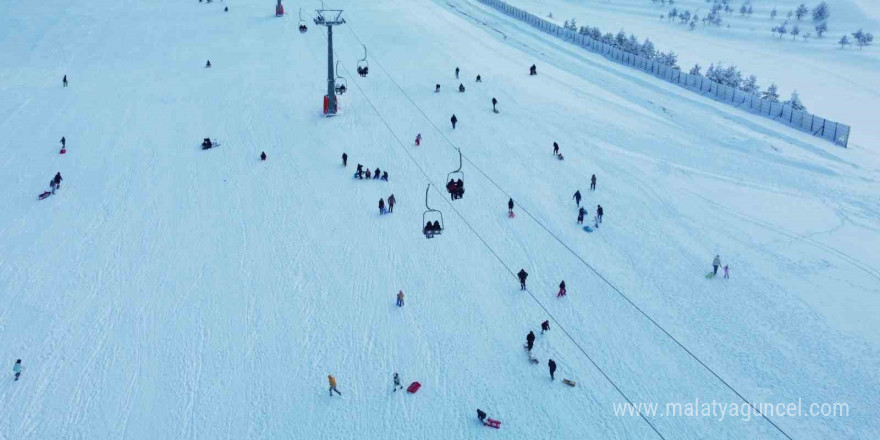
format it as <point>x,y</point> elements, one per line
<point>555,148</point>
<point>64,81</point>
<point>481,415</point>
<point>437,88</point>
<point>456,73</point>
<point>460,88</point>
<point>599,213</point>
<point>344,160</point>
<point>577,197</point>
<point>510,206</point>
<point>552,366</point>
<point>494,103</point>
<point>593,183</point>
<point>533,70</point>
<point>545,326</point>
<point>562,290</point>
<point>522,279</point>
<point>530,341</point>
<point>263,156</point>
<point>453,119</point>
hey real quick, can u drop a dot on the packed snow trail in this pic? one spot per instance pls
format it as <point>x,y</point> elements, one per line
<point>169,292</point>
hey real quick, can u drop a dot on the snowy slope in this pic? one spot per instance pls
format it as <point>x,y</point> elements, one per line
<point>169,292</point>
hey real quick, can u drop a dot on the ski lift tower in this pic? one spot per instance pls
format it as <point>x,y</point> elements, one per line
<point>329,18</point>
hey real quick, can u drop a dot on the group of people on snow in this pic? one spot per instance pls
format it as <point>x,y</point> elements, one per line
<point>391,202</point>
<point>360,173</point>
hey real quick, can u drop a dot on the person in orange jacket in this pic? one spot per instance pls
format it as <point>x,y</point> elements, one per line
<point>332,385</point>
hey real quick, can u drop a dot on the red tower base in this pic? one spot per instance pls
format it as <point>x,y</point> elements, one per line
<point>279,10</point>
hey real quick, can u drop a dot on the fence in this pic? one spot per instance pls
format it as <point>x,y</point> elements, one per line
<point>817,126</point>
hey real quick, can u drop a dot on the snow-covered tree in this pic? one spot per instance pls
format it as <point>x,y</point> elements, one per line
<point>669,59</point>
<point>608,38</point>
<point>743,10</point>
<point>789,14</point>
<point>673,14</point>
<point>795,31</point>
<point>685,16</point>
<point>647,50</point>
<point>843,41</point>
<point>862,38</point>
<point>773,14</point>
<point>750,85</point>
<point>795,102</point>
<point>801,11</point>
<point>806,36</point>
<point>620,39</point>
<point>749,11</point>
<point>781,30</point>
<point>821,12</point>
<point>821,28</point>
<point>632,44</point>
<point>710,72</point>
<point>695,70</point>
<point>771,94</point>
<point>731,77</point>
<point>693,25</point>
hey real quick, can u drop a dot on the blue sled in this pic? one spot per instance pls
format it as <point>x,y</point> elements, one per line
<point>588,229</point>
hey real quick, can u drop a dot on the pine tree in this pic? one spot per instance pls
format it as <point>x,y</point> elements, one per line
<point>771,94</point>
<point>750,85</point>
<point>843,41</point>
<point>795,31</point>
<point>695,71</point>
<point>620,39</point>
<point>795,102</point>
<point>710,72</point>
<point>862,38</point>
<point>821,12</point>
<point>781,30</point>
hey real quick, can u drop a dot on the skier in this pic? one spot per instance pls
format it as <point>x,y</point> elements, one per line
<point>555,148</point>
<point>510,206</point>
<point>437,88</point>
<point>530,341</point>
<point>345,160</point>
<point>382,206</point>
<point>726,273</point>
<point>593,183</point>
<point>460,88</point>
<point>63,142</point>
<point>453,119</point>
<point>263,156</point>
<point>481,416</point>
<point>64,81</point>
<point>715,263</point>
<point>522,278</point>
<point>533,70</point>
<point>456,73</point>
<point>208,64</point>
<point>391,199</point>
<point>494,103</point>
<point>384,176</point>
<point>17,368</point>
<point>418,139</point>
<point>552,366</point>
<point>599,213</point>
<point>397,384</point>
<point>332,381</point>
<point>479,80</point>
<point>562,290</point>
<point>399,301</point>
<point>577,197</point>
<point>545,326</point>
<point>377,174</point>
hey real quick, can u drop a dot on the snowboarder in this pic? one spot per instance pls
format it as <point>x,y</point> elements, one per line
<point>391,199</point>
<point>382,206</point>
<point>533,70</point>
<point>453,119</point>
<point>715,264</point>
<point>522,275</point>
<point>530,341</point>
<point>332,381</point>
<point>64,81</point>
<point>460,88</point>
<point>593,183</point>
<point>399,300</point>
<point>510,206</point>
<point>437,88</point>
<point>345,161</point>
<point>397,385</point>
<point>555,148</point>
<point>418,139</point>
<point>552,366</point>
<point>726,273</point>
<point>384,176</point>
<point>494,103</point>
<point>17,368</point>
<point>577,197</point>
<point>208,64</point>
<point>479,80</point>
<point>263,156</point>
<point>599,213</point>
<point>456,73</point>
<point>481,416</point>
<point>63,142</point>
<point>545,326</point>
<point>562,290</point>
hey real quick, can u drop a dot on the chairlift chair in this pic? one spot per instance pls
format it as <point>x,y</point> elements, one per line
<point>432,216</point>
<point>302,23</point>
<point>456,175</point>
<point>341,82</point>
<point>363,67</point>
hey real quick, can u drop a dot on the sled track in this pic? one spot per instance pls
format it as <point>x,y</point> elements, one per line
<point>557,239</point>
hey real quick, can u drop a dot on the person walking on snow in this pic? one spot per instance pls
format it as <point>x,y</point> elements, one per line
<point>63,142</point>
<point>399,299</point>
<point>533,70</point>
<point>522,279</point>
<point>494,103</point>
<point>437,88</point>
<point>599,213</point>
<point>391,202</point>
<point>453,119</point>
<point>562,290</point>
<point>715,264</point>
<point>577,197</point>
<point>530,341</point>
<point>208,64</point>
<point>332,381</point>
<point>481,416</point>
<point>510,206</point>
<point>555,148</point>
<point>263,156</point>
<point>726,273</point>
<point>418,139</point>
<point>581,216</point>
<point>16,368</point>
<point>344,160</point>
<point>381,206</point>
<point>593,183</point>
<point>456,73</point>
<point>545,326</point>
<point>479,79</point>
<point>64,81</point>
<point>397,385</point>
<point>55,183</point>
<point>552,366</point>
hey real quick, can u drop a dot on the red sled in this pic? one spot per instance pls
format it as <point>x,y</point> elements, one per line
<point>511,215</point>
<point>492,423</point>
<point>279,10</point>
<point>413,387</point>
<point>63,151</point>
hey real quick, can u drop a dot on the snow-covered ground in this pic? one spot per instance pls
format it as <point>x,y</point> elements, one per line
<point>169,292</point>
<point>838,84</point>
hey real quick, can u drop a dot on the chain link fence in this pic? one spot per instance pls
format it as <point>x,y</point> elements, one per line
<point>817,126</point>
